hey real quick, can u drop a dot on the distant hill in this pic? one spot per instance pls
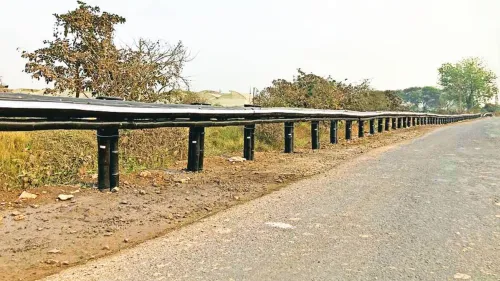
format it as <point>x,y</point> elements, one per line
<point>232,98</point>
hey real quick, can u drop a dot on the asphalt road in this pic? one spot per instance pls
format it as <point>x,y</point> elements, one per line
<point>425,210</point>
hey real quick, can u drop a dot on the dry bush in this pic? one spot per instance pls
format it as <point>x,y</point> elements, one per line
<point>269,137</point>
<point>152,148</point>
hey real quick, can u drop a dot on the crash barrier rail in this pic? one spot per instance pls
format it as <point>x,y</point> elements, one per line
<point>107,115</point>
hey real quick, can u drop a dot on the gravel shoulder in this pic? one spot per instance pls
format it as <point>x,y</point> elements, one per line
<point>424,210</point>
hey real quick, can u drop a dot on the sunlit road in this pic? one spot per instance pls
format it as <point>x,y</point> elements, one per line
<point>425,210</point>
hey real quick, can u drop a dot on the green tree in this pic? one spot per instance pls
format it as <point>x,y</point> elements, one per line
<point>421,98</point>
<point>82,55</point>
<point>313,91</point>
<point>151,71</point>
<point>468,83</point>
<point>430,98</point>
<point>306,90</point>
<point>412,97</point>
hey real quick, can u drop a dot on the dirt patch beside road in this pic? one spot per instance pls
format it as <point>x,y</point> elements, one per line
<point>43,236</point>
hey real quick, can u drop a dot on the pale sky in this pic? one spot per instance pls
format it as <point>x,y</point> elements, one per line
<point>239,44</point>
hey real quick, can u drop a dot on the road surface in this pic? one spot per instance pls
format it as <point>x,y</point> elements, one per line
<point>424,210</point>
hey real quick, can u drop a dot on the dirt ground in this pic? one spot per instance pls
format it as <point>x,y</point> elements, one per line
<point>42,236</point>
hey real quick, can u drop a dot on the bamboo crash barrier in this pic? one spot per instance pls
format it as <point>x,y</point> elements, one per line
<point>107,115</point>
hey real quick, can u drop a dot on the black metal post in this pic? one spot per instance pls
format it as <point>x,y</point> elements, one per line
<point>315,134</point>
<point>348,129</point>
<point>387,123</point>
<point>372,126</point>
<point>252,154</point>
<point>414,121</point>
<point>248,142</point>
<point>334,127</point>
<point>114,167</point>
<point>195,155</point>
<point>380,125</point>
<point>289,133</point>
<point>108,169</point>
<point>400,123</point>
<point>361,128</point>
<point>103,159</point>
<point>405,123</point>
<point>249,132</point>
<point>202,148</point>
<point>394,121</point>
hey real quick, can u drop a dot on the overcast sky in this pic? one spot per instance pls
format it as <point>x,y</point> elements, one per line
<point>239,44</point>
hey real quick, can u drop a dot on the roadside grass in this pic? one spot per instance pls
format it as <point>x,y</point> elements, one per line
<point>31,159</point>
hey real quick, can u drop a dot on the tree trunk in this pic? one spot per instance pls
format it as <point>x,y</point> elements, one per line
<point>470,101</point>
<point>77,79</point>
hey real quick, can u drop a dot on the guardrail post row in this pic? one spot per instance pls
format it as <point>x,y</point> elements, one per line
<point>334,127</point>
<point>249,142</point>
<point>315,134</point>
<point>381,125</point>
<point>372,126</point>
<point>289,134</point>
<point>361,128</point>
<point>387,121</point>
<point>348,129</point>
